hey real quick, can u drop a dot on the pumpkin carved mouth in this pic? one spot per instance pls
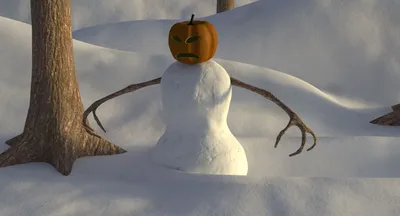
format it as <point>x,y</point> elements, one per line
<point>187,55</point>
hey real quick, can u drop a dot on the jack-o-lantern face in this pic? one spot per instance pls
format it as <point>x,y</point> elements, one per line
<point>193,42</point>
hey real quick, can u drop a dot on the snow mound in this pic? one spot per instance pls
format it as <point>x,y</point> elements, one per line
<point>331,44</point>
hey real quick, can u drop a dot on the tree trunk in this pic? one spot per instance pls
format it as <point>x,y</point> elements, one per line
<point>223,5</point>
<point>53,131</point>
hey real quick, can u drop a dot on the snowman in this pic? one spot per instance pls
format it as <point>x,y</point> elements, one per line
<point>196,94</point>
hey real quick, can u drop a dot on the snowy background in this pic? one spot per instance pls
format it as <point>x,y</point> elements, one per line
<point>334,62</point>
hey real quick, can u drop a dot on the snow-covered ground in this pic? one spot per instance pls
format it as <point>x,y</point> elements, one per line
<point>354,170</point>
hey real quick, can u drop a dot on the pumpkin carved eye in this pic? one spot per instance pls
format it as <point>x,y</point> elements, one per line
<point>177,39</point>
<point>192,39</point>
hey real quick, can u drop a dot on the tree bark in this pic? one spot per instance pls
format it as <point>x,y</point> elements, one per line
<point>224,5</point>
<point>53,131</point>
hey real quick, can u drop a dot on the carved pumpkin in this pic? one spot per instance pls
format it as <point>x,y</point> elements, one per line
<point>193,41</point>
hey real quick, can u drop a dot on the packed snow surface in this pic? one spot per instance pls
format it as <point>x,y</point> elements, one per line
<point>353,170</point>
<point>195,104</point>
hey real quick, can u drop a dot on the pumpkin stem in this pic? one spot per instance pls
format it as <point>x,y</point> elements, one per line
<point>191,20</point>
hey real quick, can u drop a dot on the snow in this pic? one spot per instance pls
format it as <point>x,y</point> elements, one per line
<point>353,170</point>
<point>195,104</point>
<point>325,42</point>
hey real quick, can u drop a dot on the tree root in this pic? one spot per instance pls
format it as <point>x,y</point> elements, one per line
<point>56,152</point>
<point>14,140</point>
<point>20,152</point>
<point>390,119</point>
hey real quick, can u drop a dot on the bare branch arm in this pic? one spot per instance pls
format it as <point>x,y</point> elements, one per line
<point>294,118</point>
<point>96,104</point>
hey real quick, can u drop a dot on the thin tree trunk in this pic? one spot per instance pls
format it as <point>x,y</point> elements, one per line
<point>53,131</point>
<point>224,5</point>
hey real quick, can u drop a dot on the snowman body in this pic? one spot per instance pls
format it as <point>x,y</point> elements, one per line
<point>195,105</point>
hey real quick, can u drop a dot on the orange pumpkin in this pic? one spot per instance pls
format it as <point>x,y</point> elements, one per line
<point>193,41</point>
